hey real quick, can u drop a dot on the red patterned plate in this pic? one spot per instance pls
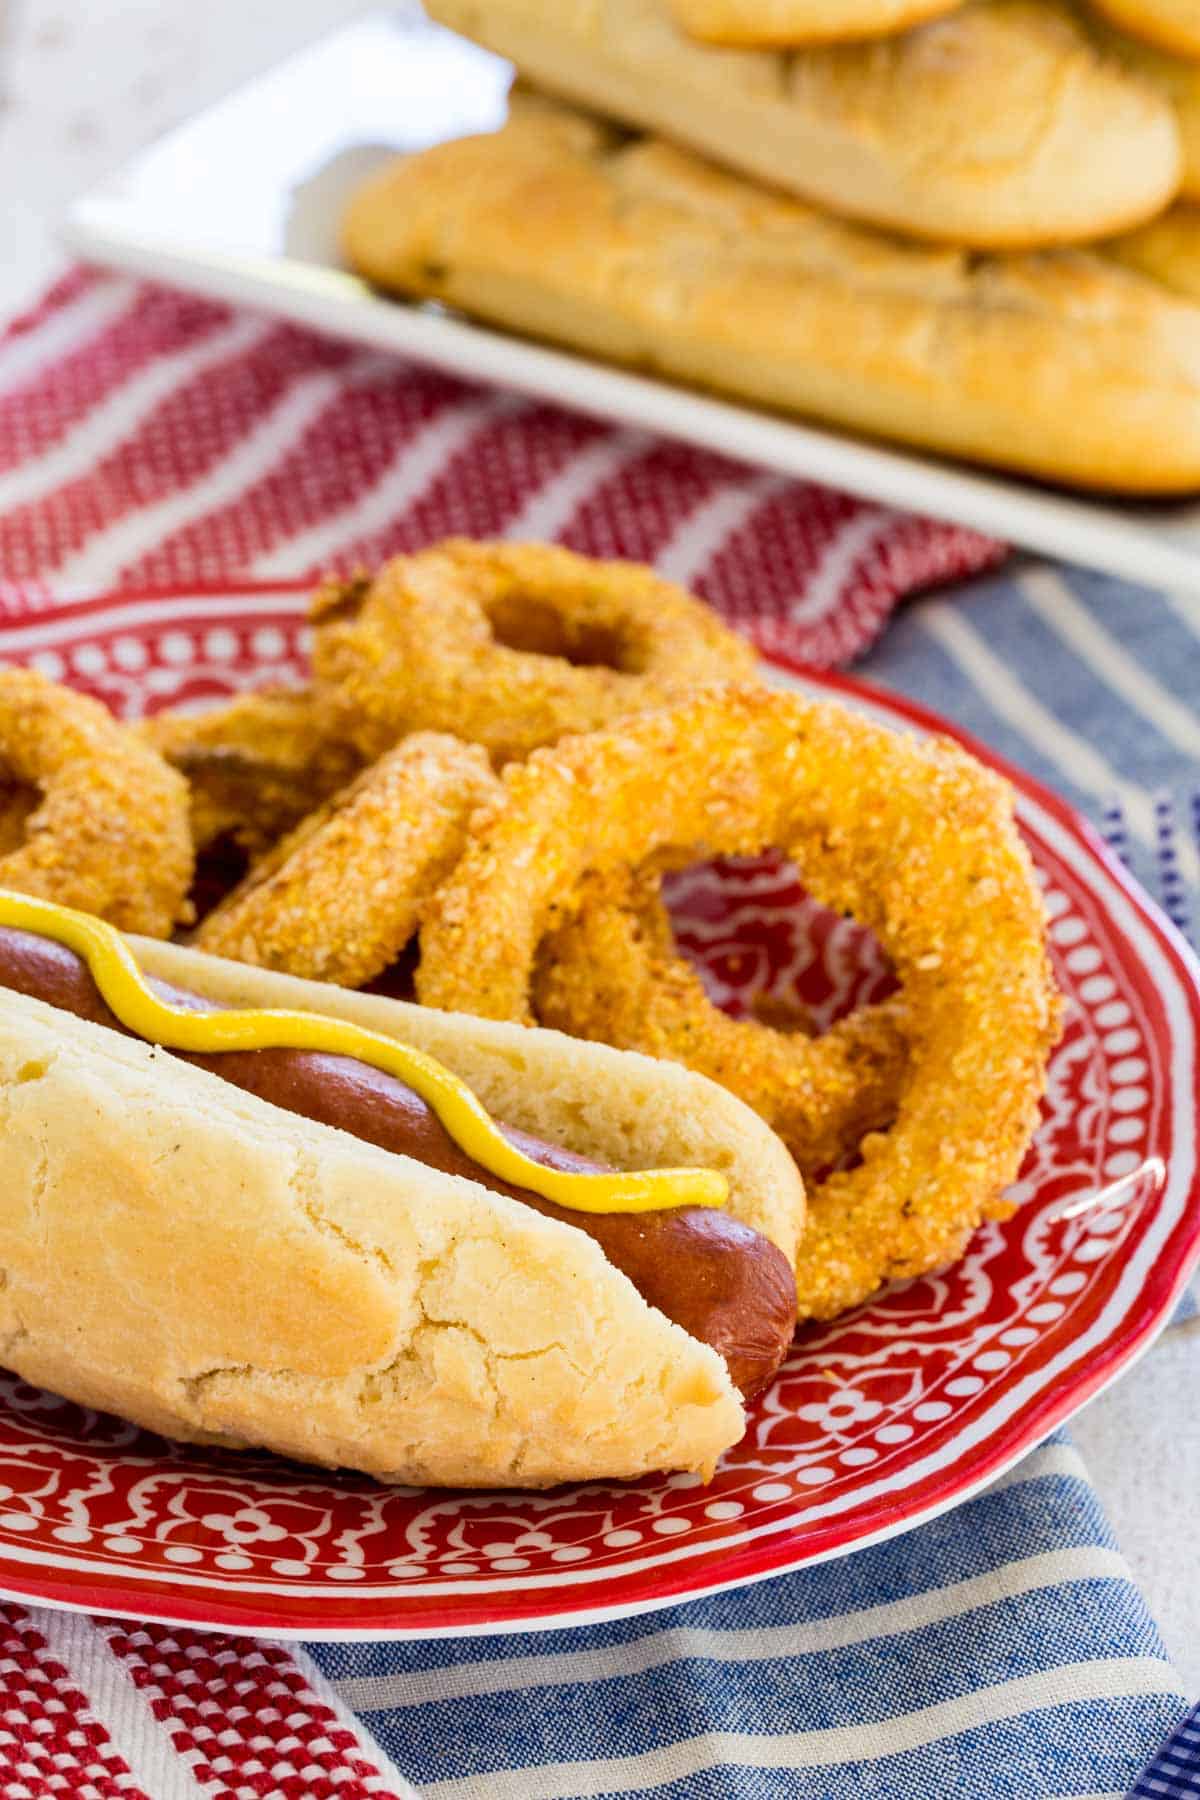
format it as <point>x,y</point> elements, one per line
<point>878,1421</point>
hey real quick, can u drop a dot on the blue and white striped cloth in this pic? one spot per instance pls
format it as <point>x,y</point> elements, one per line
<point>1175,1772</point>
<point>1002,1650</point>
<point>1090,684</point>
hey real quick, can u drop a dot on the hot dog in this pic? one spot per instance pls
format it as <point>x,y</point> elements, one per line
<point>283,1248</point>
<point>723,1282</point>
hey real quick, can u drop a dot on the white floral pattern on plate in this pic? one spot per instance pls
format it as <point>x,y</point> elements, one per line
<point>877,1420</point>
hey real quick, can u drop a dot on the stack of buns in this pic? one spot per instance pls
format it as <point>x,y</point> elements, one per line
<point>963,224</point>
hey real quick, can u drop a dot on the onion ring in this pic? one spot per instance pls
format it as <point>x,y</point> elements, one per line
<point>255,765</point>
<point>106,828</point>
<point>613,973</point>
<point>340,896</point>
<point>915,838</point>
<point>510,646</point>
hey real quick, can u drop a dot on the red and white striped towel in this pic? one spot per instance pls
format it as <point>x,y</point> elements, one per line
<point>101,1709</point>
<point>149,439</point>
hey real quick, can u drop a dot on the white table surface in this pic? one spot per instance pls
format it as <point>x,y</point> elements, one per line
<point>83,87</point>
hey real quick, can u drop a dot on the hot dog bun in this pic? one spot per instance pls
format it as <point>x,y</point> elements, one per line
<point>637,251</point>
<point>1001,126</point>
<point>624,1109</point>
<point>1171,24</point>
<point>1176,77</point>
<point>785,24</point>
<point>197,1260</point>
<point>1167,250</point>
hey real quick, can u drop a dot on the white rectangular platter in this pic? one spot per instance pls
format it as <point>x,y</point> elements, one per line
<point>242,204</point>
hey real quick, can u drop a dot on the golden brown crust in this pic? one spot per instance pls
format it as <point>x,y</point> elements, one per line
<point>255,765</point>
<point>339,897</point>
<point>341,1304</point>
<point>612,973</point>
<point>93,818</point>
<point>641,253</point>
<point>1177,77</point>
<point>1167,250</point>
<point>510,645</point>
<point>914,838</point>
<point>1000,126</point>
<point>1170,24</point>
<point>785,23</point>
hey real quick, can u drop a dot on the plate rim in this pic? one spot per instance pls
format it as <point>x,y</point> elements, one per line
<point>774,1552</point>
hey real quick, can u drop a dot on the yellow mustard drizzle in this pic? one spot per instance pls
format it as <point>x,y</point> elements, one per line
<point>130,999</point>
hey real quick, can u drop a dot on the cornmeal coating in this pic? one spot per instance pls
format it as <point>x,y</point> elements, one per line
<point>613,974</point>
<point>340,896</point>
<point>510,646</point>
<point>92,816</point>
<point>914,837</point>
<point>256,764</point>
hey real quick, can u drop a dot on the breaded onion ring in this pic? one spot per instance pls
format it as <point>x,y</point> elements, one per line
<point>93,817</point>
<point>255,765</point>
<point>338,899</point>
<point>915,838</point>
<point>613,974</point>
<point>510,646</point>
